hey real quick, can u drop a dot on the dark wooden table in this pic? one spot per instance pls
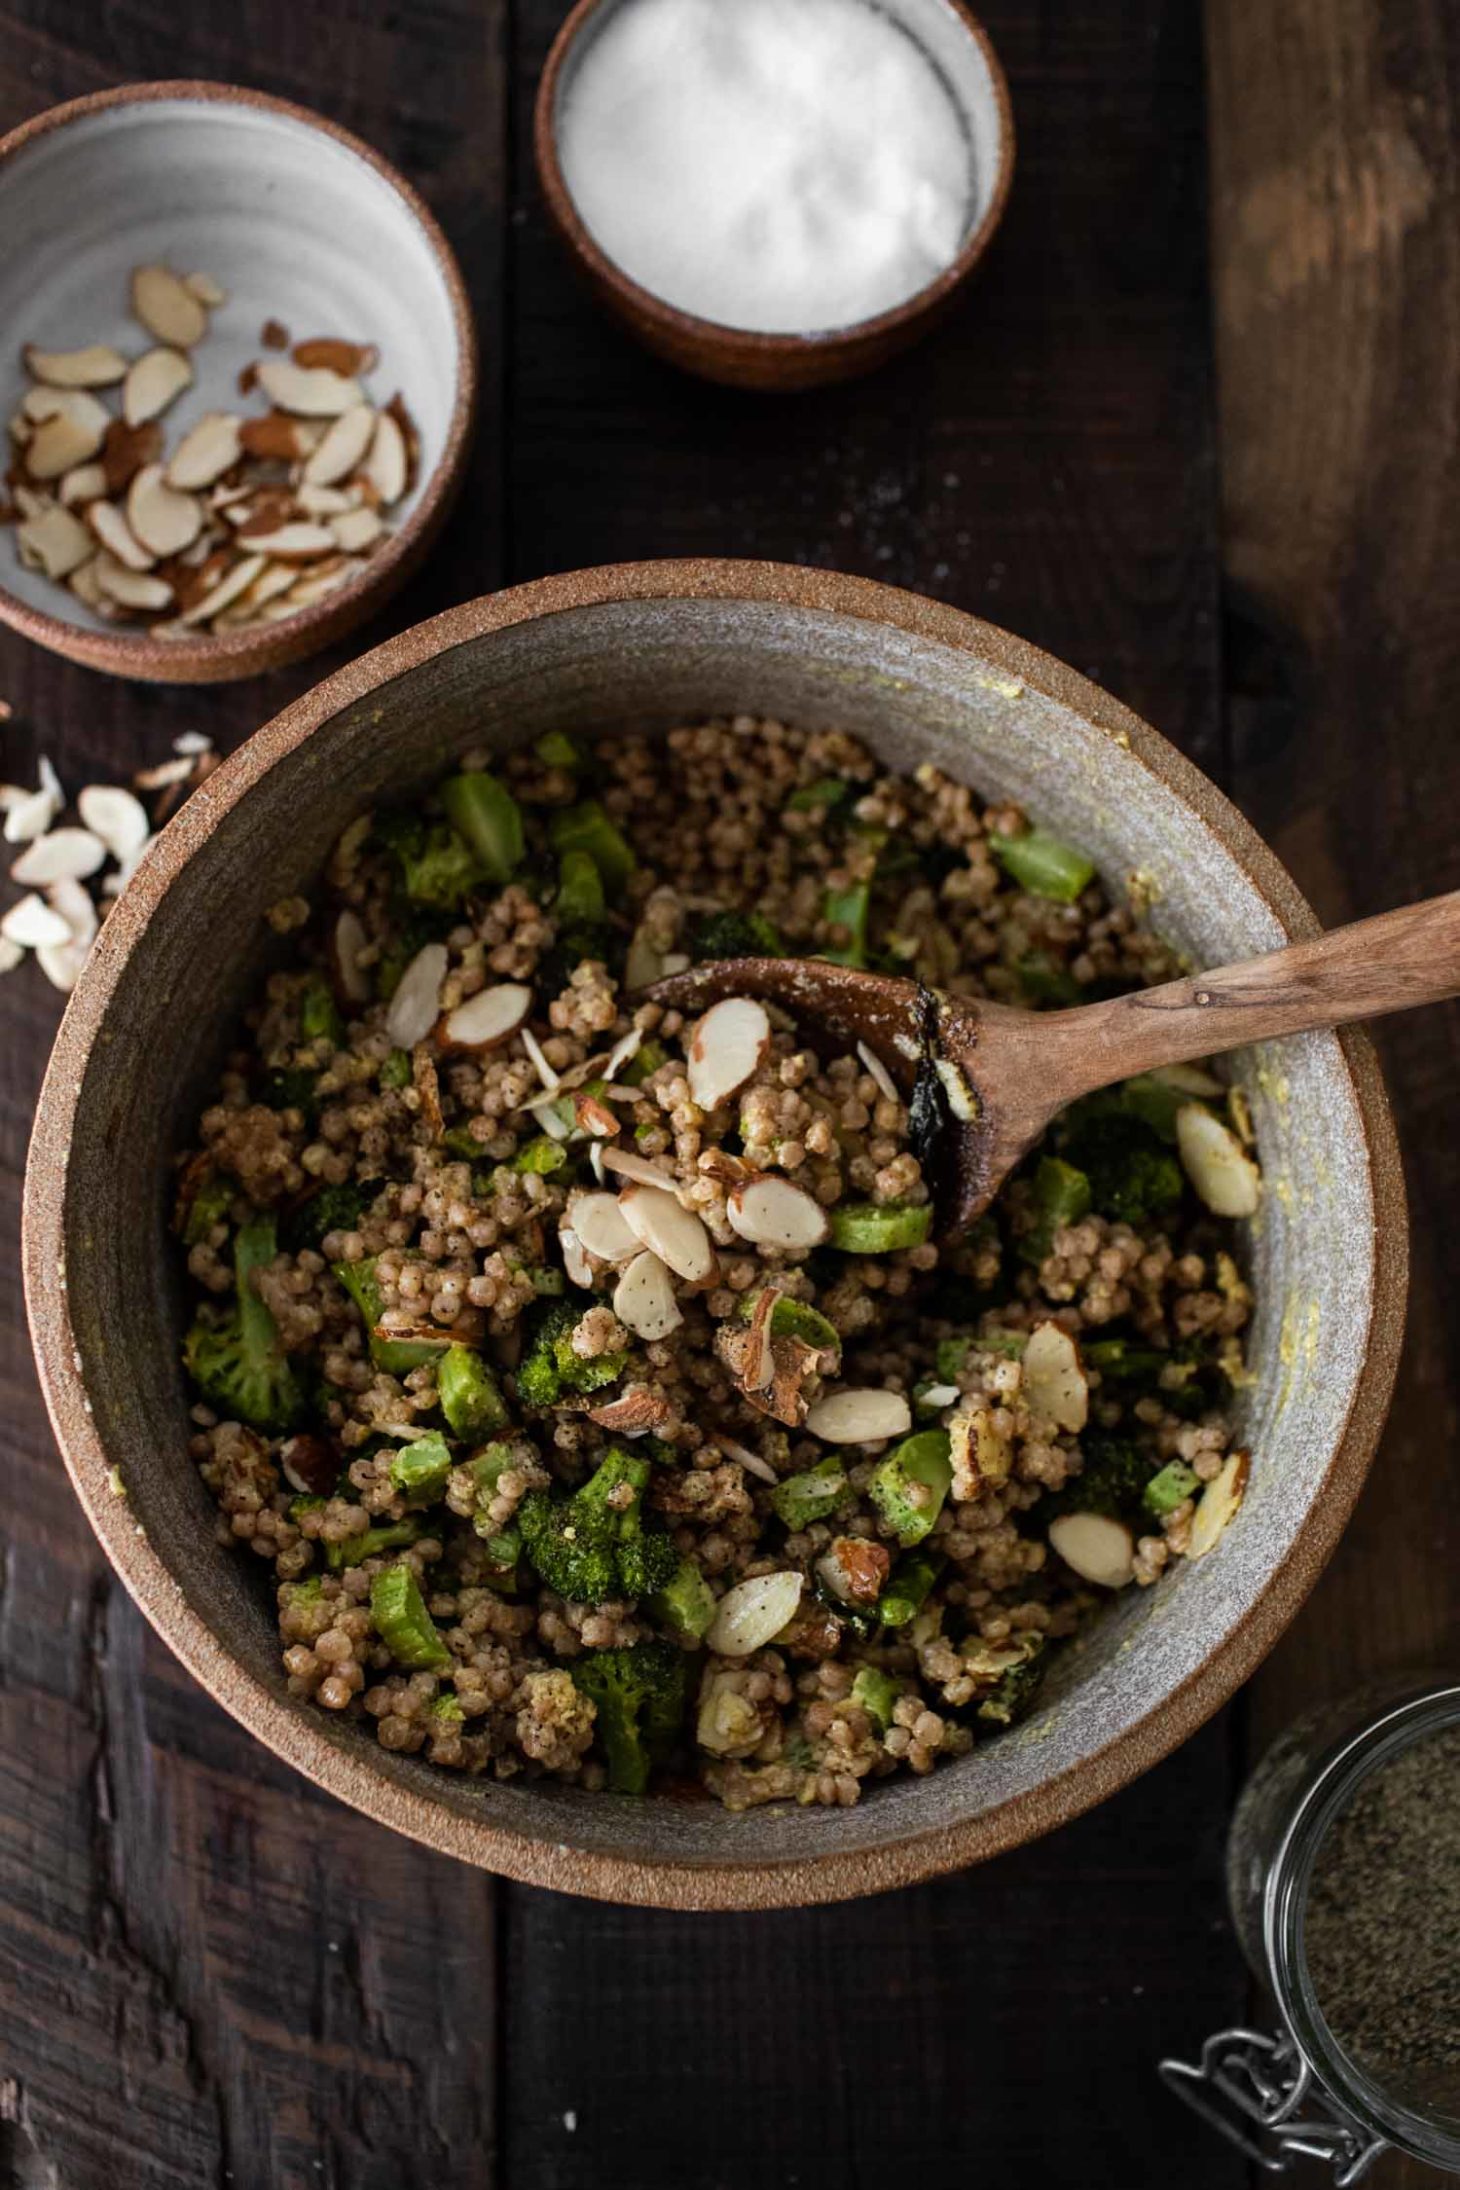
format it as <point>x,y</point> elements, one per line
<point>1198,431</point>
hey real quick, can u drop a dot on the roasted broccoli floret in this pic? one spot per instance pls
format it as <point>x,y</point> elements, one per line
<point>1132,1178</point>
<point>397,1356</point>
<point>332,1209</point>
<point>420,1469</point>
<point>239,1367</point>
<point>1015,1693</point>
<point>639,1694</point>
<point>1060,1195</point>
<point>436,867</point>
<point>593,1547</point>
<point>549,1367</point>
<point>686,1602</point>
<point>735,935</point>
<point>1113,1480</point>
<point>290,1087</point>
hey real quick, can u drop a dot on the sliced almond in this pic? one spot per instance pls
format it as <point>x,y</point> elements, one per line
<point>19,428</point>
<point>603,1228</point>
<point>308,391</point>
<point>117,537</point>
<point>233,582</point>
<point>753,1613</point>
<point>326,501</point>
<point>416,1004</point>
<point>356,530</point>
<point>65,855</point>
<point>633,1414</point>
<point>1054,1383</point>
<point>638,1168</point>
<point>40,404</point>
<point>205,289</point>
<point>675,1234</point>
<point>387,466</point>
<point>771,1212</point>
<point>1216,1163</point>
<point>487,1019</point>
<point>276,437</point>
<point>866,1415</point>
<point>167,308</point>
<point>116,816</point>
<point>644,963</point>
<point>206,451</point>
<point>1098,1548</point>
<point>347,940</point>
<point>152,383</point>
<point>31,814</point>
<point>343,447</point>
<point>644,1301</point>
<point>56,542</point>
<point>314,586</point>
<point>61,963</point>
<point>577,1268</point>
<point>164,520</point>
<point>730,1043</point>
<point>96,366</point>
<point>86,483</point>
<point>63,441</point>
<point>1218,1503</point>
<point>337,355</point>
<point>82,582</point>
<point>129,588</point>
<point>125,449</point>
<point>34,923</point>
<point>72,900</point>
<point>292,543</point>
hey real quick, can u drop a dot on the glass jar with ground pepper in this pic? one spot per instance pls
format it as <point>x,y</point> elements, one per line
<point>1343,1873</point>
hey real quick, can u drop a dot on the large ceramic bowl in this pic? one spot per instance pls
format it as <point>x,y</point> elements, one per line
<point>656,644</point>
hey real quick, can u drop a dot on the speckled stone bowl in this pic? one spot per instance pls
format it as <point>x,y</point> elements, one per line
<point>655,644</point>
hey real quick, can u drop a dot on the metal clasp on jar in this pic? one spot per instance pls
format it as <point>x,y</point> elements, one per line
<point>1253,2077</point>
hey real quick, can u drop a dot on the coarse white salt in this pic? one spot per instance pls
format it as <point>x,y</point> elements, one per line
<point>785,166</point>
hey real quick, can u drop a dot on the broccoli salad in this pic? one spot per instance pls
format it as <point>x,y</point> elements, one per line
<point>594,1382</point>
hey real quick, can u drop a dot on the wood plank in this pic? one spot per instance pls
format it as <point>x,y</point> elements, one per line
<point>1336,240</point>
<point>208,1972</point>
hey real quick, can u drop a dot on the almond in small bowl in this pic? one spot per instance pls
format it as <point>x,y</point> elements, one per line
<point>126,366</point>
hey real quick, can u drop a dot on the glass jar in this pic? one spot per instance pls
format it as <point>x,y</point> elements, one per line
<point>1278,2094</point>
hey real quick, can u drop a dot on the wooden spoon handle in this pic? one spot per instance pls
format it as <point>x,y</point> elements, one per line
<point>1410,956</point>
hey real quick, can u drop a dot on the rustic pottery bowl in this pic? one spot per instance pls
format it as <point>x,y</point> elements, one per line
<point>655,644</point>
<point>299,222</point>
<point>959,48</point>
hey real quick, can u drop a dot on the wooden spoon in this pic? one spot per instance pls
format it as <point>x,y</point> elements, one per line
<point>989,1078</point>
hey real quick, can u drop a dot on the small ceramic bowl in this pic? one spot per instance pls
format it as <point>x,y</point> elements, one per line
<point>653,645</point>
<point>298,222</point>
<point>959,48</point>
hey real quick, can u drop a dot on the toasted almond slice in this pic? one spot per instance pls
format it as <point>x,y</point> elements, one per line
<point>314,586</point>
<point>603,1228</point>
<point>347,941</point>
<point>34,923</point>
<point>64,855</point>
<point>753,1613</point>
<point>676,1235</point>
<point>487,1019</point>
<point>40,404</point>
<point>229,586</point>
<point>272,580</point>
<point>32,814</point>
<point>1216,1163</point>
<point>19,428</point>
<point>292,543</point>
<point>10,954</point>
<point>167,308</point>
<point>631,1166</point>
<point>325,501</point>
<point>729,1043</point>
<point>644,964</point>
<point>96,366</point>
<point>859,1415</point>
<point>339,356</point>
<point>644,1301</point>
<point>1054,1383</point>
<point>117,537</point>
<point>152,383</point>
<point>72,900</point>
<point>82,582</point>
<point>388,464</point>
<point>162,519</point>
<point>576,1266</point>
<point>416,1004</point>
<point>308,391</point>
<point>276,437</point>
<point>356,530</point>
<point>61,963</point>
<point>63,441</point>
<point>126,449</point>
<point>86,483</point>
<point>1098,1548</point>
<point>1190,1080</point>
<point>633,1414</point>
<point>206,451</point>
<point>343,447</point>
<point>116,816</point>
<point>32,501</point>
<point>130,588</point>
<point>1218,1502</point>
<point>771,1212</point>
<point>55,542</point>
<point>624,1051</point>
<point>205,289</point>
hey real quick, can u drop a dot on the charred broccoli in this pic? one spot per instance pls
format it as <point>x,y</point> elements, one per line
<point>1015,1693</point>
<point>1133,1178</point>
<point>332,1209</point>
<point>550,1367</point>
<point>593,1547</point>
<point>239,1367</point>
<point>435,866</point>
<point>735,935</point>
<point>639,1695</point>
<point>1113,1480</point>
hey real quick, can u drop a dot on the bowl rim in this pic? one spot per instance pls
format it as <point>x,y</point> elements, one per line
<point>230,654</point>
<point>746,345</point>
<point>286,1729</point>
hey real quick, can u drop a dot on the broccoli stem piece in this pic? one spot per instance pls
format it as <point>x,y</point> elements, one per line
<point>587,828</point>
<point>355,1550</point>
<point>486,817</point>
<point>801,1499</point>
<point>910,1485</point>
<point>396,1070</point>
<point>555,749</point>
<point>593,1546</point>
<point>540,1156</point>
<point>397,1356</point>
<point>907,1587</point>
<point>331,1209</point>
<point>210,1204</point>
<point>877,1692</point>
<point>319,1014</point>
<point>686,1602</point>
<point>1044,866</point>
<point>1061,1196</point>
<point>848,909</point>
<point>1015,1693</point>
<point>399,1616</point>
<point>1123,1361</point>
<point>639,1696</point>
<point>580,899</point>
<point>1171,1488</point>
<point>419,1470</point>
<point>879,1228</point>
<point>470,1396</point>
<point>239,1367</point>
<point>820,796</point>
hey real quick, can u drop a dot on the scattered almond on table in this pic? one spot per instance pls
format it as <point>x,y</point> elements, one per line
<point>247,520</point>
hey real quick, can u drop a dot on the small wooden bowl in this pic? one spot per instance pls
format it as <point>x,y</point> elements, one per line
<point>960,48</point>
<point>300,223</point>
